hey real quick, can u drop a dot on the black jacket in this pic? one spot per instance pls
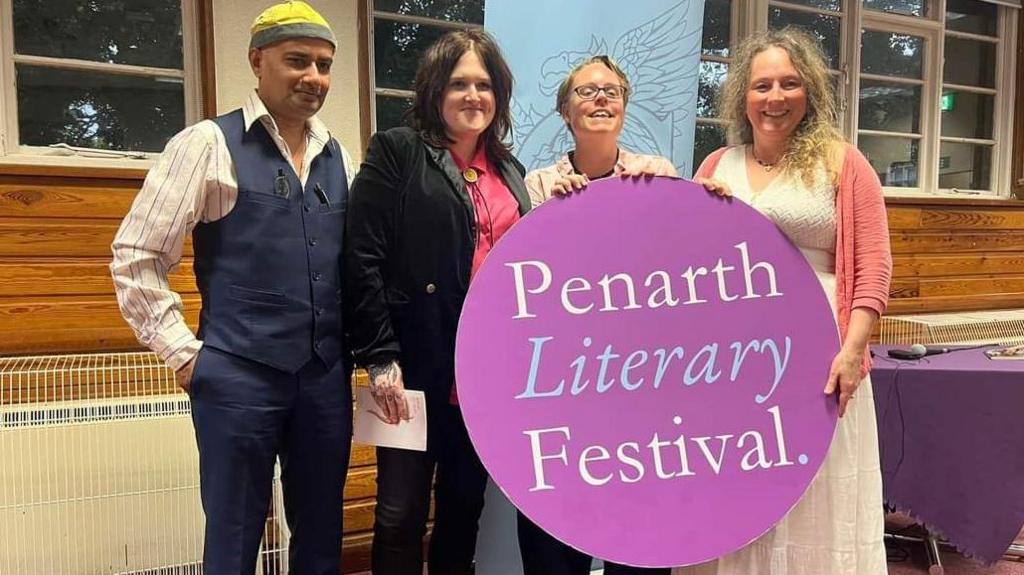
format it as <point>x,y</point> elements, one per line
<point>410,236</point>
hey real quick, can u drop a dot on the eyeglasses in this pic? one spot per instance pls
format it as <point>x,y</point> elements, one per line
<point>590,91</point>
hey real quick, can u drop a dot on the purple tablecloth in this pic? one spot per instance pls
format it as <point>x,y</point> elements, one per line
<point>951,434</point>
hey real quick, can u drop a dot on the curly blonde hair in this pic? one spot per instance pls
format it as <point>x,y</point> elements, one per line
<point>818,130</point>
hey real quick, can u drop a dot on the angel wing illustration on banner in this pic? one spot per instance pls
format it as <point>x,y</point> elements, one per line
<point>661,59</point>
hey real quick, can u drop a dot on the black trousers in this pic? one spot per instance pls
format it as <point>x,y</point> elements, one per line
<point>246,415</point>
<point>403,501</point>
<point>544,555</point>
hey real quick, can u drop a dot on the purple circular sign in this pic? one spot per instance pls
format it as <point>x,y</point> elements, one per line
<point>641,369</point>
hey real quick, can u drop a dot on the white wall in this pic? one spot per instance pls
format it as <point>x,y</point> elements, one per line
<point>232,19</point>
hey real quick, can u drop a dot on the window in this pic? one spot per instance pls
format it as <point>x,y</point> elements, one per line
<point>922,85</point>
<point>115,78</point>
<point>825,19</point>
<point>400,32</point>
<point>932,93</point>
<point>719,23</point>
<point>929,78</point>
<point>967,101</point>
<point>892,83</point>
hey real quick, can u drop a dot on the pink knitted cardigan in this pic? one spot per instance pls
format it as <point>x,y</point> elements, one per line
<point>863,256</point>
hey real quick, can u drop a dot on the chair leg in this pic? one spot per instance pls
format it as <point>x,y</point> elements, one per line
<point>931,546</point>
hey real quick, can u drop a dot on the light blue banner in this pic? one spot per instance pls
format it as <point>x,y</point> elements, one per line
<point>656,42</point>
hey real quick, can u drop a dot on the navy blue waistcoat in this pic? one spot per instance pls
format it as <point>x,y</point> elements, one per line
<point>268,272</point>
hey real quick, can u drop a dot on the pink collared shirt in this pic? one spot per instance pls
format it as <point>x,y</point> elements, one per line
<point>540,182</point>
<point>494,206</point>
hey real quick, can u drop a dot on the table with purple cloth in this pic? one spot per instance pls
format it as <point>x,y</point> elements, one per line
<point>951,438</point>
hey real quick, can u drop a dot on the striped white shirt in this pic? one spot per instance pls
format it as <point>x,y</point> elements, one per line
<point>193,181</point>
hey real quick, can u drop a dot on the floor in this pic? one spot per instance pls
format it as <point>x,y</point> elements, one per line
<point>909,558</point>
<point>954,564</point>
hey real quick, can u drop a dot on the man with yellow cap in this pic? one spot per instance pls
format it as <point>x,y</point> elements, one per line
<point>263,191</point>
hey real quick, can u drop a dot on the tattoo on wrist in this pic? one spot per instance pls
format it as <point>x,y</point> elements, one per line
<point>388,371</point>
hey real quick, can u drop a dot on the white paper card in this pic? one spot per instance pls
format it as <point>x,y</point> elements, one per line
<point>370,427</point>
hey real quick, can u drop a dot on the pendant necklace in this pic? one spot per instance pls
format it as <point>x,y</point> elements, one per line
<point>767,166</point>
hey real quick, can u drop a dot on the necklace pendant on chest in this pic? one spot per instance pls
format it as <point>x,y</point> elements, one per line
<point>470,175</point>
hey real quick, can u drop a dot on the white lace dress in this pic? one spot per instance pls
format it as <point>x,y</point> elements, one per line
<point>836,528</point>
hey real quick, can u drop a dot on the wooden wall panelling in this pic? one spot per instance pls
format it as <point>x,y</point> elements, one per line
<point>57,237</point>
<point>74,276</point>
<point>355,554</point>
<point>940,265</point>
<point>32,197</point>
<point>55,324</point>
<point>56,294</point>
<point>956,257</point>
<point>916,305</point>
<point>934,242</point>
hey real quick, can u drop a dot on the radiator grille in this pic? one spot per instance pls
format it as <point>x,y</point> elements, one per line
<point>99,470</point>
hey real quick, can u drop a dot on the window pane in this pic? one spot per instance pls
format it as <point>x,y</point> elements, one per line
<point>716,27</point>
<point>707,139</point>
<point>972,16</point>
<point>894,159</point>
<point>970,63</point>
<point>889,107</point>
<point>390,111</point>
<point>397,50</point>
<point>833,5</point>
<point>908,7</point>
<point>451,10</point>
<point>891,54</point>
<point>965,166</point>
<point>967,115</point>
<point>96,110</point>
<point>825,28</point>
<point>139,32</point>
<point>712,75</point>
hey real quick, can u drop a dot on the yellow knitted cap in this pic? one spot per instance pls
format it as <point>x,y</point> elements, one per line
<point>292,19</point>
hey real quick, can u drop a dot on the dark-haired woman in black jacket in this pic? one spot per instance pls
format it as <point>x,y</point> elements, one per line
<point>429,202</point>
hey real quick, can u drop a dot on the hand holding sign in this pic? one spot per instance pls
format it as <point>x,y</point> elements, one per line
<point>660,374</point>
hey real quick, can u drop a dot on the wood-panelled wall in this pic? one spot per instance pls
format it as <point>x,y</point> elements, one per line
<point>55,234</point>
<point>956,256</point>
<point>56,294</point>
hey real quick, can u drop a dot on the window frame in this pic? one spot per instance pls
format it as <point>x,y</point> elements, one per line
<point>737,17</point>
<point>197,75</point>
<point>372,15</point>
<point>930,32</point>
<point>748,17</point>
<point>855,18</point>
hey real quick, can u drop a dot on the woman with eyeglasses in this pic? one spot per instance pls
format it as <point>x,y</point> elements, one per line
<point>592,101</point>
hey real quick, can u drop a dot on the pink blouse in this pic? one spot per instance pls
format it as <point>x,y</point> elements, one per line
<point>494,206</point>
<point>539,182</point>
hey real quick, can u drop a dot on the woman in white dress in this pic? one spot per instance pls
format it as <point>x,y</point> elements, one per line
<point>792,165</point>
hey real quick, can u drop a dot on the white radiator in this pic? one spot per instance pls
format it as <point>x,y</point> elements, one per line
<point>99,470</point>
<point>1004,327</point>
